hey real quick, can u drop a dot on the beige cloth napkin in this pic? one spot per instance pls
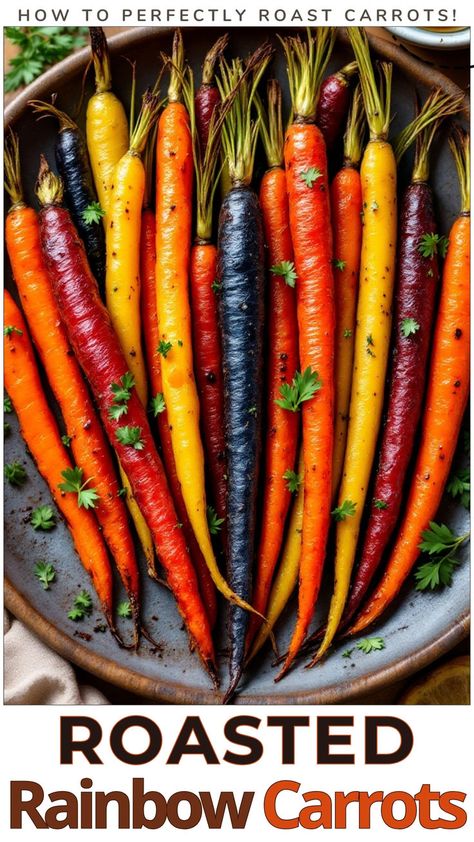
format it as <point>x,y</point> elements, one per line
<point>35,675</point>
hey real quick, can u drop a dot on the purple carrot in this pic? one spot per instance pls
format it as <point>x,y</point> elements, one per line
<point>207,95</point>
<point>334,101</point>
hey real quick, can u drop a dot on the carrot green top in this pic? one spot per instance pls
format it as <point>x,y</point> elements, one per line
<point>239,130</point>
<point>460,147</point>
<point>422,129</point>
<point>48,108</point>
<point>355,130</point>
<point>306,63</point>
<point>13,184</point>
<point>177,68</point>
<point>209,66</point>
<point>271,124</point>
<point>377,98</point>
<point>49,187</point>
<point>146,119</point>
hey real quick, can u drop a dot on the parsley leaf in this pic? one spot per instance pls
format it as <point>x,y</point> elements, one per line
<point>15,474</point>
<point>339,264</point>
<point>310,176</point>
<point>214,522</point>
<point>92,214</point>
<point>124,609</point>
<point>164,348</point>
<point>380,504</point>
<point>7,405</point>
<point>9,329</point>
<point>46,574</point>
<point>66,440</point>
<point>216,286</point>
<point>123,391</point>
<point>302,388</point>
<point>122,492</point>
<point>130,436</point>
<point>158,404</point>
<point>73,484</point>
<point>38,48</point>
<point>459,485</point>
<point>347,653</point>
<point>346,509</point>
<point>432,244</point>
<point>294,481</point>
<point>409,327</point>
<point>441,544</point>
<point>286,270</point>
<point>82,606</point>
<point>347,333</point>
<point>371,644</point>
<point>117,410</point>
<point>43,518</point>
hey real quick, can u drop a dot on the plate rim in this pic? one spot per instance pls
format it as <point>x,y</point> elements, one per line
<point>168,692</point>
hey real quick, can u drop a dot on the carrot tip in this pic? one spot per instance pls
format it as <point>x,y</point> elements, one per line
<point>230,692</point>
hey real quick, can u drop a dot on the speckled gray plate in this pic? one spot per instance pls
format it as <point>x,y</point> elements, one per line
<point>418,629</point>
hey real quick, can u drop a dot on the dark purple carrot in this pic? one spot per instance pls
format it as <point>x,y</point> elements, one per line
<point>414,300</point>
<point>334,101</point>
<point>72,160</point>
<point>207,95</point>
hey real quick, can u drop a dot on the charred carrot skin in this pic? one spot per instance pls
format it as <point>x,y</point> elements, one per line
<point>40,432</point>
<point>282,426</point>
<point>151,340</point>
<point>208,367</point>
<point>99,353</point>
<point>414,299</point>
<point>82,424</point>
<point>207,96</point>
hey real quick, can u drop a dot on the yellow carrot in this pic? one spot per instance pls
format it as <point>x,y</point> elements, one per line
<point>106,122</point>
<point>287,575</point>
<point>377,268</point>
<point>122,279</point>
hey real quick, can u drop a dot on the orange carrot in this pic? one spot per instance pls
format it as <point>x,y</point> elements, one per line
<point>308,192</point>
<point>448,390</point>
<point>88,444</point>
<point>42,437</point>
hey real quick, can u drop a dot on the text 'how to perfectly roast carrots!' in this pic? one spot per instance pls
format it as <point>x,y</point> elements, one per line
<point>313,390</point>
<point>446,399</point>
<point>100,355</point>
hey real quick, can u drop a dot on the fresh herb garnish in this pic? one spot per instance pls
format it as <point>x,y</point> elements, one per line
<point>409,327</point>
<point>92,214</point>
<point>339,264</point>
<point>286,270</point>
<point>380,504</point>
<point>130,436</point>
<point>252,410</point>
<point>346,509</point>
<point>157,404</point>
<point>347,653</point>
<point>7,405</point>
<point>442,544</point>
<point>293,481</point>
<point>214,522</point>
<point>302,388</point>
<point>216,286</point>
<point>43,518</point>
<point>38,48</point>
<point>371,644</point>
<point>310,176</point>
<point>370,345</point>
<point>9,329</point>
<point>124,609</point>
<point>46,573</point>
<point>81,607</point>
<point>122,492</point>
<point>116,410</point>
<point>347,333</point>
<point>66,440</point>
<point>432,244</point>
<point>459,486</point>
<point>15,473</point>
<point>123,391</point>
<point>164,348</point>
<point>73,484</point>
